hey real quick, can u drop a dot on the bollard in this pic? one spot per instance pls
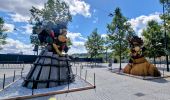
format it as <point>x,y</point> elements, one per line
<point>14,76</point>
<point>68,85</point>
<point>21,72</point>
<point>163,70</point>
<point>143,76</point>
<point>68,80</point>
<point>160,62</point>
<point>86,75</point>
<point>76,70</point>
<point>33,86</point>
<point>81,66</point>
<point>94,80</point>
<point>22,66</point>
<point>4,82</point>
<point>80,72</point>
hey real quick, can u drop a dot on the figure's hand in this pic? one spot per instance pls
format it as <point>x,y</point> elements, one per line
<point>61,55</point>
<point>56,49</point>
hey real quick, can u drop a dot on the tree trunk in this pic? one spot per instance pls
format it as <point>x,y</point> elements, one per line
<point>160,61</point>
<point>120,68</point>
<point>167,63</point>
<point>37,51</point>
<point>154,60</point>
<point>95,61</point>
<point>106,55</point>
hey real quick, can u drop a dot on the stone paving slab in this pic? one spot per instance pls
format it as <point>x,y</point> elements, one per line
<point>110,86</point>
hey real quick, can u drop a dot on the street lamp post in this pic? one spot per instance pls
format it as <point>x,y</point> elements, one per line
<point>166,45</point>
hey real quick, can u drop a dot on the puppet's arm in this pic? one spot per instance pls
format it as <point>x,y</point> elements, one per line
<point>56,49</point>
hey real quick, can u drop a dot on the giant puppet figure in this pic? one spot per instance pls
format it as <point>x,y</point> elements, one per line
<point>138,65</point>
<point>52,66</point>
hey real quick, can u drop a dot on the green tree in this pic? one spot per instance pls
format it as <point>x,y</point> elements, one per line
<point>166,4</point>
<point>2,34</point>
<point>94,44</point>
<point>119,30</point>
<point>166,16</point>
<point>153,39</point>
<point>106,46</point>
<point>53,13</point>
<point>166,27</point>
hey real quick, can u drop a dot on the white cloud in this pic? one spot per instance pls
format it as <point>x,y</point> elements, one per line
<point>78,42</point>
<point>104,35</point>
<point>79,7</point>
<point>77,47</point>
<point>28,29</point>
<point>16,46</point>
<point>8,27</point>
<point>76,36</point>
<point>22,7</point>
<point>18,10</point>
<point>19,18</point>
<point>139,23</point>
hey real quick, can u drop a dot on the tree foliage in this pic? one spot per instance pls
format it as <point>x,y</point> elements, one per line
<point>166,4</point>
<point>94,44</point>
<point>119,30</point>
<point>2,34</point>
<point>54,13</point>
<point>153,39</point>
<point>166,16</point>
<point>166,23</point>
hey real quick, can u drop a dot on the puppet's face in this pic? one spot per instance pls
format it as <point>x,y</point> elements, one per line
<point>137,48</point>
<point>136,45</point>
<point>62,38</point>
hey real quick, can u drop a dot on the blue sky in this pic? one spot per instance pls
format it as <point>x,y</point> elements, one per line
<point>130,9</point>
<point>87,15</point>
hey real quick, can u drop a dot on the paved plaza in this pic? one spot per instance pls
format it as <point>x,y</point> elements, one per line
<point>111,86</point>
